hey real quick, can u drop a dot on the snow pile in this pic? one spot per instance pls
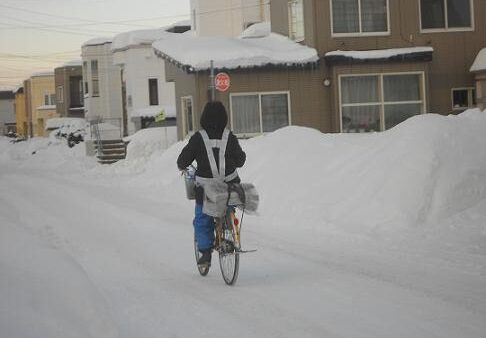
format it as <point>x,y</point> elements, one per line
<point>231,53</point>
<point>479,63</point>
<point>138,37</point>
<point>45,153</point>
<point>379,53</point>
<point>258,30</point>
<point>146,142</point>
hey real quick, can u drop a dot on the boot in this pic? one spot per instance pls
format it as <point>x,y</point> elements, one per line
<point>205,259</point>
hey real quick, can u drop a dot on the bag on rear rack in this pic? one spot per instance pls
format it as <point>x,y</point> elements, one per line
<point>217,195</point>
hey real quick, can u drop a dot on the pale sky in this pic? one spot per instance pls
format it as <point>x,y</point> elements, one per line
<point>38,35</point>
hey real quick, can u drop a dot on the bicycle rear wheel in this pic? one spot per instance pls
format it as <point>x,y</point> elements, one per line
<point>229,258</point>
<point>203,269</point>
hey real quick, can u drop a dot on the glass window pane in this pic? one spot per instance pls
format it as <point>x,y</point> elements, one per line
<point>359,89</point>
<point>345,16</point>
<point>397,113</point>
<point>459,13</point>
<point>374,16</point>
<point>361,119</point>
<point>275,112</point>
<point>245,114</point>
<point>460,98</point>
<point>296,20</point>
<point>400,88</point>
<point>432,14</point>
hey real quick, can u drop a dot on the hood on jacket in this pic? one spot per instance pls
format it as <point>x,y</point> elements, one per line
<point>214,117</point>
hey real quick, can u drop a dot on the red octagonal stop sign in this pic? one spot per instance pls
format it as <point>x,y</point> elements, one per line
<point>222,82</point>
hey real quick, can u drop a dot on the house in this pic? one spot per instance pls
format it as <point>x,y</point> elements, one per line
<point>227,17</point>
<point>40,101</point>
<point>383,61</point>
<point>146,93</point>
<point>102,87</point>
<point>22,122</point>
<point>378,63</point>
<point>479,70</point>
<point>69,89</point>
<point>7,112</point>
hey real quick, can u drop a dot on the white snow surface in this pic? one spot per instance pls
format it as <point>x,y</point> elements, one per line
<point>43,73</point>
<point>231,53</point>
<point>137,37</point>
<point>258,30</point>
<point>73,63</point>
<point>97,41</point>
<point>379,53</point>
<point>479,63</point>
<point>376,235</point>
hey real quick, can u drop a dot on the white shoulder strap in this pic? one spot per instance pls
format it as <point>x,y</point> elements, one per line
<point>221,145</point>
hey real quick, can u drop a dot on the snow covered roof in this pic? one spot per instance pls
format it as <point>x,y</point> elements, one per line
<point>97,41</point>
<point>47,107</point>
<point>44,73</point>
<point>194,53</point>
<point>152,111</point>
<point>73,63</point>
<point>393,54</point>
<point>126,40</point>
<point>479,63</point>
<point>258,30</point>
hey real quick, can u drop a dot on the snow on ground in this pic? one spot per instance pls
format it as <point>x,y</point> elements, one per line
<point>377,235</point>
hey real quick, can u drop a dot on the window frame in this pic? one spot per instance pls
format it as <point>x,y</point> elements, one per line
<point>156,98</point>
<point>185,130</point>
<point>446,28</point>
<point>382,103</point>
<point>471,93</point>
<point>260,94</point>
<point>360,33</point>
<point>95,78</point>
<point>291,36</point>
<point>60,94</point>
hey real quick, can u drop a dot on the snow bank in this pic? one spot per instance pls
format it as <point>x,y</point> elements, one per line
<point>148,141</point>
<point>379,53</point>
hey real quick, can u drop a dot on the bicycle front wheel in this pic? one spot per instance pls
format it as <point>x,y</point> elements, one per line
<point>229,258</point>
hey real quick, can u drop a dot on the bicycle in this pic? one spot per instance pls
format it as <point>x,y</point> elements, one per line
<point>227,239</point>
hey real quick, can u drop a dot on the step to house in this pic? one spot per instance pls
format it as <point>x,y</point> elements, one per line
<point>110,151</point>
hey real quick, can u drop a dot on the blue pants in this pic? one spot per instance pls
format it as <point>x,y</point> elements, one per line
<point>203,229</point>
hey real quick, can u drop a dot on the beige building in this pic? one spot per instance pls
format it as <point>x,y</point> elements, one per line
<point>21,114</point>
<point>40,98</point>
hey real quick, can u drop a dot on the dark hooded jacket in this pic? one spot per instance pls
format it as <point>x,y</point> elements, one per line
<point>213,120</point>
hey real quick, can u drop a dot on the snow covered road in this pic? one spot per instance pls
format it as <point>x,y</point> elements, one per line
<point>113,260</point>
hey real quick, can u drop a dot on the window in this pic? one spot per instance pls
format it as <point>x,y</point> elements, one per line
<point>360,17</point>
<point>187,115</point>
<point>463,98</point>
<point>446,15</point>
<point>257,113</point>
<point>85,77</point>
<point>94,78</point>
<point>153,92</point>
<point>379,102</point>
<point>49,99</point>
<point>60,94</point>
<point>296,20</point>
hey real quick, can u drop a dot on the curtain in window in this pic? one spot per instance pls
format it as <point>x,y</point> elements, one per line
<point>275,112</point>
<point>432,14</point>
<point>246,114</point>
<point>374,16</point>
<point>345,16</point>
<point>400,88</point>
<point>359,89</point>
<point>458,13</point>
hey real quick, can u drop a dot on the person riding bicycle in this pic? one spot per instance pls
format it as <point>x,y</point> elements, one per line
<point>215,149</point>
